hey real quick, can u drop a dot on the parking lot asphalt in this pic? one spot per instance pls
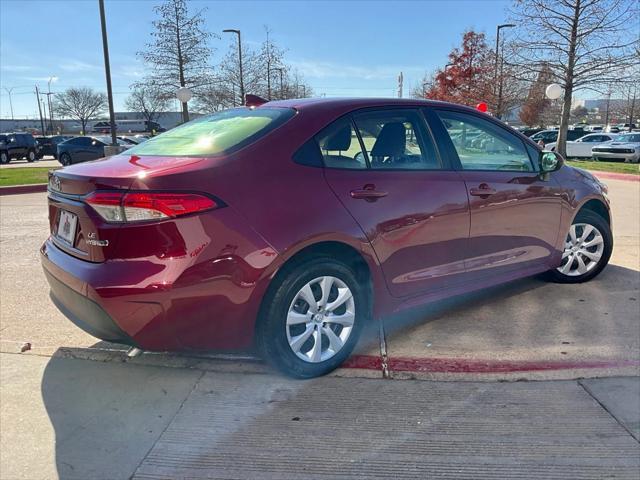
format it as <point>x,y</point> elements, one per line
<point>44,162</point>
<point>529,329</point>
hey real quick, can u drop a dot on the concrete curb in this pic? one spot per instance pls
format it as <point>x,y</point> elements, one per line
<point>21,189</point>
<point>360,366</point>
<point>616,176</point>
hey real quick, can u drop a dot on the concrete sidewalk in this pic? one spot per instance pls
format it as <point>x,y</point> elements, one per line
<point>81,419</point>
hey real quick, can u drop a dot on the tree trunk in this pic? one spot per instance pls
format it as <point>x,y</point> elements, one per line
<point>561,145</point>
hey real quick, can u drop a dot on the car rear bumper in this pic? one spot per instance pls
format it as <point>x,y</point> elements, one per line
<point>81,290</point>
<point>203,293</point>
<point>85,313</point>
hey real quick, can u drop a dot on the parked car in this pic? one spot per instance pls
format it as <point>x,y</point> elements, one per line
<point>625,148</point>
<point>582,147</point>
<point>16,146</point>
<point>551,136</point>
<point>292,224</point>
<point>527,132</point>
<point>83,149</point>
<point>49,145</point>
<point>128,139</point>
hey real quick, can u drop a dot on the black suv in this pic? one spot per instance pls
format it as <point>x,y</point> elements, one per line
<point>49,145</point>
<point>17,145</point>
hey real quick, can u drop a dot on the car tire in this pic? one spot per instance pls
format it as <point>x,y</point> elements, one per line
<point>31,156</point>
<point>4,158</point>
<point>65,159</point>
<point>588,248</point>
<point>289,326</point>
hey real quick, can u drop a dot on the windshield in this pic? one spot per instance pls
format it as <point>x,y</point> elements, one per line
<point>215,134</point>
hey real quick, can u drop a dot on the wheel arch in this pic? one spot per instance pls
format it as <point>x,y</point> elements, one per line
<point>342,251</point>
<point>597,206</point>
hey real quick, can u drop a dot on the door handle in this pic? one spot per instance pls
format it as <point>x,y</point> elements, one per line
<point>368,193</point>
<point>483,190</point>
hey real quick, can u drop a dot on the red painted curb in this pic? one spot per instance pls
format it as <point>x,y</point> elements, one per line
<point>616,176</point>
<point>19,189</point>
<point>461,365</point>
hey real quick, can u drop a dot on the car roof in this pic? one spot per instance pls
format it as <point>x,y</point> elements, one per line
<point>347,104</point>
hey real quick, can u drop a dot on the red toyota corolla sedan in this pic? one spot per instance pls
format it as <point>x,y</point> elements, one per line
<point>290,225</point>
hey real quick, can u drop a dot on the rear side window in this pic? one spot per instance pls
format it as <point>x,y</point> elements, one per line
<point>340,146</point>
<point>215,134</point>
<point>396,140</point>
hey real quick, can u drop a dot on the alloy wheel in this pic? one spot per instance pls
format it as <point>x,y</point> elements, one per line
<point>320,319</point>
<point>583,250</point>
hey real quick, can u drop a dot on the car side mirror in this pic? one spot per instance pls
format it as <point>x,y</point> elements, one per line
<point>550,162</point>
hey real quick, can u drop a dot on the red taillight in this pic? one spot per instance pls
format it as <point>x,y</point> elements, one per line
<point>143,206</point>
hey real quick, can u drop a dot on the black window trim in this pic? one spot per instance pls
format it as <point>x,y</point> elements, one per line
<point>458,164</point>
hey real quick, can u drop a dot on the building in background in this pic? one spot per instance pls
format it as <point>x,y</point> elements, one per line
<point>166,119</point>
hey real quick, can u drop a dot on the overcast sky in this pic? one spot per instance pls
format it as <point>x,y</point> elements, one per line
<point>341,48</point>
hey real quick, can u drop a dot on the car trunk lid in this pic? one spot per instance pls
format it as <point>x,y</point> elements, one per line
<point>75,226</point>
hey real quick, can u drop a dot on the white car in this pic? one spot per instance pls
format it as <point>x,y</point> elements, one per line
<point>582,147</point>
<point>625,148</point>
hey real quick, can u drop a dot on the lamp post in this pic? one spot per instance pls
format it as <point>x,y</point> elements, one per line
<point>237,32</point>
<point>9,90</point>
<point>184,95</point>
<point>107,72</point>
<point>281,70</point>
<point>495,75</point>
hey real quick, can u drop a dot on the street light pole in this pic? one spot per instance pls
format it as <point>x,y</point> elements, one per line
<point>495,75</point>
<point>237,32</point>
<point>9,90</point>
<point>107,72</point>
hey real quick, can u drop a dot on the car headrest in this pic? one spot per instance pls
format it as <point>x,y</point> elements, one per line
<point>391,141</point>
<point>339,140</point>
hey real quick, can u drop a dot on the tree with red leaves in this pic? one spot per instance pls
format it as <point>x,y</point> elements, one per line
<point>468,78</point>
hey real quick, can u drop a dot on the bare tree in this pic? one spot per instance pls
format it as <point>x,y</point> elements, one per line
<point>80,103</point>
<point>586,43</point>
<point>179,53</point>
<point>147,100</point>
<point>533,108</point>
<point>262,71</point>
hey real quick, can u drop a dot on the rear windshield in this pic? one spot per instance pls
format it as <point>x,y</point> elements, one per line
<point>215,134</point>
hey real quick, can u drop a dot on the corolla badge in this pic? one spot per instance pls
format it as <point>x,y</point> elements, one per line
<point>54,183</point>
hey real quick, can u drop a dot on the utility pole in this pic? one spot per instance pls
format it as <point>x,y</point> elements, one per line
<point>49,103</point>
<point>9,90</point>
<point>495,75</point>
<point>107,72</point>
<point>400,82</point>
<point>237,32</point>
<point>40,111</point>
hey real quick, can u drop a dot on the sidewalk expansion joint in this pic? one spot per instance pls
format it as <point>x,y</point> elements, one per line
<point>603,406</point>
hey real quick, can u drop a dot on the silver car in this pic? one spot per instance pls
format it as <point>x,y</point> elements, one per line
<point>625,148</point>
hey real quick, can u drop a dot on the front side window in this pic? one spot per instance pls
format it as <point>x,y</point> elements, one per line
<point>215,134</point>
<point>480,145</point>
<point>340,146</point>
<point>396,139</point>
